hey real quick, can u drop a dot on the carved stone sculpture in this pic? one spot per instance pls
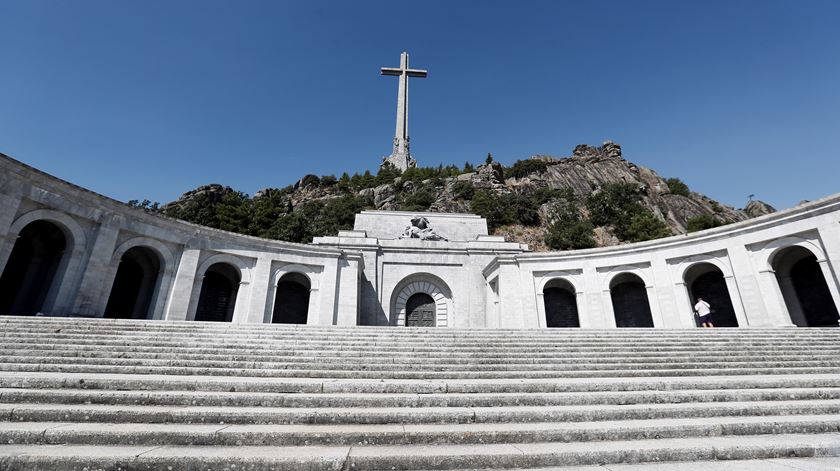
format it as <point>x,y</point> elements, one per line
<point>420,229</point>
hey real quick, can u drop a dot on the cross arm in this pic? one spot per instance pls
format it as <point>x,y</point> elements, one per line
<point>416,73</point>
<point>390,71</point>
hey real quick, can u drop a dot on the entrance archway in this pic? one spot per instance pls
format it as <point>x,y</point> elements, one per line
<point>31,268</point>
<point>630,301</point>
<point>560,304</point>
<point>218,293</point>
<point>804,288</point>
<point>135,284</point>
<point>291,303</point>
<point>420,310</point>
<point>705,280</point>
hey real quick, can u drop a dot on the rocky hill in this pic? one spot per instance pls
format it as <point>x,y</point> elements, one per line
<point>593,198</point>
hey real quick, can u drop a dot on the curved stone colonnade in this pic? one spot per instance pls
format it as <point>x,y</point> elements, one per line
<point>68,251</point>
<point>776,270</point>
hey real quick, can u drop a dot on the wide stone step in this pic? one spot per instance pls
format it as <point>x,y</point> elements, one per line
<point>406,352</point>
<point>61,433</point>
<point>142,324</point>
<point>703,370</point>
<point>558,365</point>
<point>402,415</point>
<point>426,347</point>
<point>402,457</point>
<point>338,358</point>
<point>42,380</point>
<point>320,400</point>
<point>437,335</point>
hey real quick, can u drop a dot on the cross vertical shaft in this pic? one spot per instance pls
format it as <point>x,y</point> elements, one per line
<point>401,155</point>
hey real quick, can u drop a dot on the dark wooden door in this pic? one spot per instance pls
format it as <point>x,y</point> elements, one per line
<point>420,311</point>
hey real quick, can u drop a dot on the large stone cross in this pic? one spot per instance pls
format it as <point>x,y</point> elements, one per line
<point>401,156</point>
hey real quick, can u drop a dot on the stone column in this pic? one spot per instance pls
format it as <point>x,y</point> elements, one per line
<point>580,299</point>
<point>240,304</point>
<point>348,294</point>
<point>749,287</point>
<point>830,238</point>
<point>8,210</point>
<point>609,310</point>
<point>684,305</point>
<point>831,281</point>
<point>655,310</point>
<point>324,311</point>
<point>591,308</point>
<point>182,289</point>
<point>258,292</point>
<point>510,302</point>
<point>737,302</point>
<point>670,315</point>
<point>777,313</point>
<point>98,278</point>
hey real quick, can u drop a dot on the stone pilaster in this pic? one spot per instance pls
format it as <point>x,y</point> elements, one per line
<point>93,288</point>
<point>182,288</point>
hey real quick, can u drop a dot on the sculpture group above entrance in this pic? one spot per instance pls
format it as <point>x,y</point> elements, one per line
<point>421,229</point>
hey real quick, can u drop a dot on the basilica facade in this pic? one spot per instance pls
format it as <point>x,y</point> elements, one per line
<point>67,251</point>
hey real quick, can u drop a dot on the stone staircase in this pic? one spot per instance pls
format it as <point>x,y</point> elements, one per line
<point>141,395</point>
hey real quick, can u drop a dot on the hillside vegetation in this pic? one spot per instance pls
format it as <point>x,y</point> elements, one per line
<point>593,198</point>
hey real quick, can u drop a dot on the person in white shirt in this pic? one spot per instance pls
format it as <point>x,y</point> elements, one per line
<point>704,311</point>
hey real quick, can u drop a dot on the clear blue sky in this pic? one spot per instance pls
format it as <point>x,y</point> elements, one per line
<point>148,99</point>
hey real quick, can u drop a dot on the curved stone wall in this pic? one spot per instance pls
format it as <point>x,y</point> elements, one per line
<point>777,270</point>
<point>747,256</point>
<point>100,230</point>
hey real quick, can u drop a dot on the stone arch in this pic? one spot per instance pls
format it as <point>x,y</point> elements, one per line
<point>560,302</point>
<point>706,279</point>
<point>31,269</point>
<point>773,248</point>
<point>305,274</point>
<point>56,295</point>
<point>689,262</point>
<point>421,283</point>
<point>135,285</point>
<point>630,300</point>
<point>244,269</point>
<point>803,278</point>
<point>291,301</point>
<point>218,293</point>
<point>166,272</point>
<point>166,257</point>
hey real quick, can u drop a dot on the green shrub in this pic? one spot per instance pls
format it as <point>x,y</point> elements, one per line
<point>463,190</point>
<point>644,225</point>
<point>677,187</point>
<point>614,205</point>
<point>702,222</point>
<point>570,235</point>
<point>419,200</point>
<point>328,181</point>
<point>490,206</point>
<point>309,180</point>
<point>523,168</point>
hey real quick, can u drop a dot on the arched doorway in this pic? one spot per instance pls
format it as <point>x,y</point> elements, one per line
<point>804,288</point>
<point>291,303</point>
<point>32,268</point>
<point>421,283</point>
<point>560,304</point>
<point>630,301</point>
<point>218,293</point>
<point>135,285</point>
<point>705,280</point>
<point>420,310</point>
